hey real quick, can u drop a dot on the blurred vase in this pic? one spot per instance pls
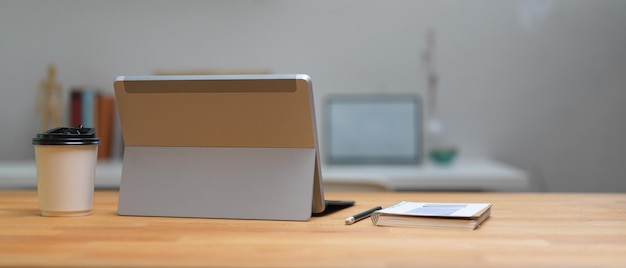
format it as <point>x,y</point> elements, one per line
<point>440,151</point>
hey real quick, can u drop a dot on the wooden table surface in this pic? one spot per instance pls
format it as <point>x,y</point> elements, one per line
<point>525,230</point>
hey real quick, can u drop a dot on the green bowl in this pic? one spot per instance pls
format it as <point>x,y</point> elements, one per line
<point>443,155</point>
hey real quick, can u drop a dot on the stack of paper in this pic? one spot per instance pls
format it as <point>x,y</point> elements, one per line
<point>433,215</point>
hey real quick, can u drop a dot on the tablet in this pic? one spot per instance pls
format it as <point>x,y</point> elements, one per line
<point>223,146</point>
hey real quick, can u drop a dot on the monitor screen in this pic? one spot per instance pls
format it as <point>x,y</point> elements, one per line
<point>373,129</point>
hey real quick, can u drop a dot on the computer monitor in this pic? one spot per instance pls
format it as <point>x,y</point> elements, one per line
<point>377,129</point>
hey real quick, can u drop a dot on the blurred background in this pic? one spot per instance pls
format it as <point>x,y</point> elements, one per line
<point>537,84</point>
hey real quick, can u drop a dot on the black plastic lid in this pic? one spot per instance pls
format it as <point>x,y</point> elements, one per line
<point>67,136</point>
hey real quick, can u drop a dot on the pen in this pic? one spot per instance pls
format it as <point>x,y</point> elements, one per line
<point>362,215</point>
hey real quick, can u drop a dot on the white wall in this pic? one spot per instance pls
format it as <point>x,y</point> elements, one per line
<point>540,84</point>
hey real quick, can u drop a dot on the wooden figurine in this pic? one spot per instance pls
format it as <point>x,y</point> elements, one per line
<point>49,100</point>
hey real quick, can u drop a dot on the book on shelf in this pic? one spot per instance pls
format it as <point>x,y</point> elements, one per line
<point>76,108</point>
<point>105,106</point>
<point>433,215</point>
<point>82,107</point>
<point>92,108</point>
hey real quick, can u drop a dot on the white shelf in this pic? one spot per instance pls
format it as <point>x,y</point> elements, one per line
<point>479,175</point>
<point>471,175</point>
<point>23,174</point>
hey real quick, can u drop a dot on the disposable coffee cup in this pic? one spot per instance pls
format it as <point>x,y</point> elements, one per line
<point>66,168</point>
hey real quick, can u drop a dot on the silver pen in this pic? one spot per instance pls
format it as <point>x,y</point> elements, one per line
<point>362,215</point>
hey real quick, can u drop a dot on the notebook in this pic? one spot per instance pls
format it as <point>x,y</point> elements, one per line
<point>223,146</point>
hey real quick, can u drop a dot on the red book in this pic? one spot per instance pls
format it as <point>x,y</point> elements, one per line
<point>76,108</point>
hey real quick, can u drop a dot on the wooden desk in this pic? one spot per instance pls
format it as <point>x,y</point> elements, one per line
<point>525,230</point>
